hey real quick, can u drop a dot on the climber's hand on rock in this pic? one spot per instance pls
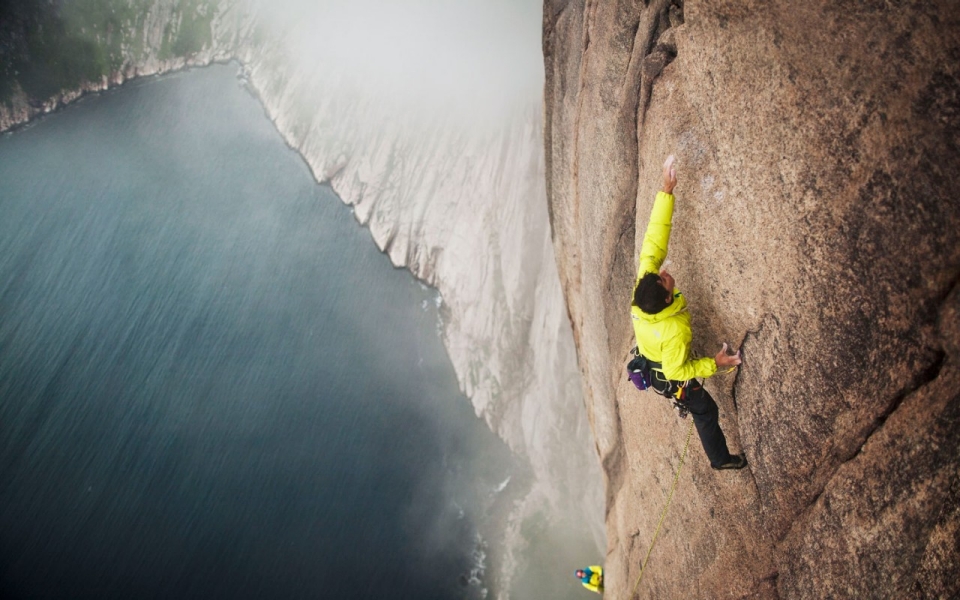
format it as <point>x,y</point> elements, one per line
<point>669,175</point>
<point>725,360</point>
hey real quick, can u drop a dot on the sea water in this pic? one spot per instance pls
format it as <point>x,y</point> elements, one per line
<point>212,385</point>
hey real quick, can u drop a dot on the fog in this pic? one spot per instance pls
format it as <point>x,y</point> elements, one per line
<point>477,57</point>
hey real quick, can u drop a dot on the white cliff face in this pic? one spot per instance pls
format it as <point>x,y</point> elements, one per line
<point>450,183</point>
<point>465,211</point>
<point>462,204</point>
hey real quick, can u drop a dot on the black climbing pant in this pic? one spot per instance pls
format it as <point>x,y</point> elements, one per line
<point>706,416</point>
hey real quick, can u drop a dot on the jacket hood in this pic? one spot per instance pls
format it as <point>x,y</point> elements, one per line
<point>678,305</point>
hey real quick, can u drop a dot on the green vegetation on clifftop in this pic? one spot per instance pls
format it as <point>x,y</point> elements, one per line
<point>188,31</point>
<point>49,47</point>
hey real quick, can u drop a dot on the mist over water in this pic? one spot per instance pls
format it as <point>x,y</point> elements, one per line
<point>211,383</point>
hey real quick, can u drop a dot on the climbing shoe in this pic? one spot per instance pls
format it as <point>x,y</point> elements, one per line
<point>737,461</point>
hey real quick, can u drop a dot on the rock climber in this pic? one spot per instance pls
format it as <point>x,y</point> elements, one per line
<point>591,578</point>
<point>661,323</point>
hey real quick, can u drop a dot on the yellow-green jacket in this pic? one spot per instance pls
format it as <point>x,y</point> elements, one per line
<point>665,337</point>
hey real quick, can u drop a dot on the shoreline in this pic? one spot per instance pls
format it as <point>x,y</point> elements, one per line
<point>524,494</point>
<point>21,111</point>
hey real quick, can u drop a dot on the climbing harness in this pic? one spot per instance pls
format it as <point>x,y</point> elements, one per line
<point>663,514</point>
<point>647,374</point>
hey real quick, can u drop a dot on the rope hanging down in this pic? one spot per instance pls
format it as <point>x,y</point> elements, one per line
<point>663,514</point>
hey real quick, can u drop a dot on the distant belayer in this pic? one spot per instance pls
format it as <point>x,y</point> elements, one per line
<point>661,323</point>
<point>591,578</point>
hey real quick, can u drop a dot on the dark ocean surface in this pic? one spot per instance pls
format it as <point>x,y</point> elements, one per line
<point>212,385</point>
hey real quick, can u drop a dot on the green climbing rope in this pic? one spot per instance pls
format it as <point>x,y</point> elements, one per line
<point>663,514</point>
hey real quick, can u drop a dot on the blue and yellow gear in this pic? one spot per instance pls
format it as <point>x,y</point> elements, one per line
<point>593,578</point>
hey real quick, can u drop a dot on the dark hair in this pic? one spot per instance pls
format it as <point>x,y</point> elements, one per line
<point>649,295</point>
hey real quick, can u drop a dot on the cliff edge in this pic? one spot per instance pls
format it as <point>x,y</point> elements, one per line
<point>818,150</point>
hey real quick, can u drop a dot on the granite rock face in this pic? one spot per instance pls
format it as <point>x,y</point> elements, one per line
<point>817,220</point>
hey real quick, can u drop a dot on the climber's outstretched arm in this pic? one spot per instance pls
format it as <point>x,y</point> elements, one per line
<point>654,249</point>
